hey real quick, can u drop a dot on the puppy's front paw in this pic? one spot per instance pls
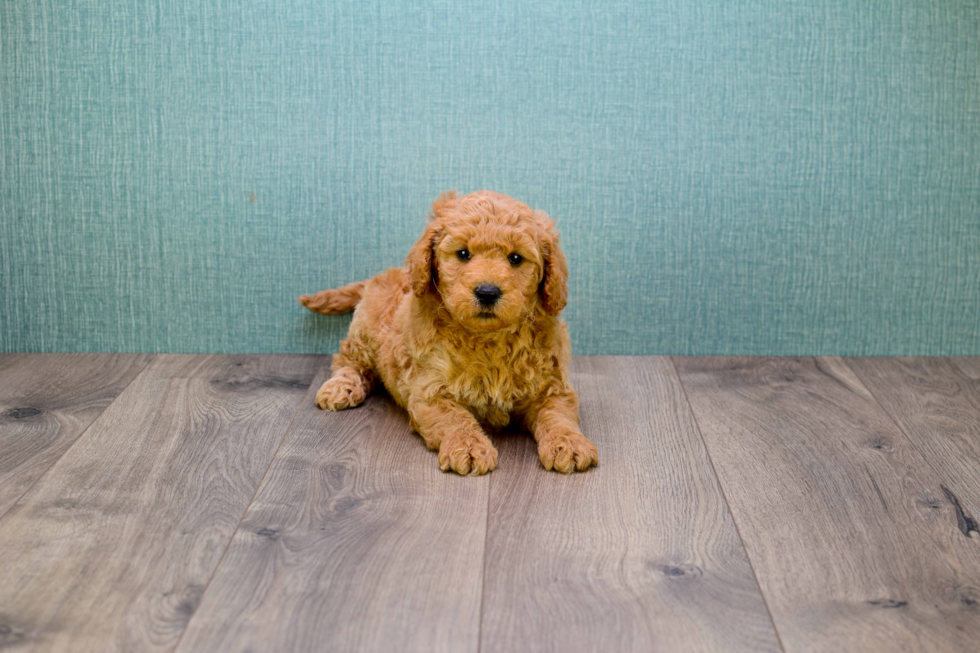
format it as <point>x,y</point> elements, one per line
<point>339,393</point>
<point>567,452</point>
<point>467,455</point>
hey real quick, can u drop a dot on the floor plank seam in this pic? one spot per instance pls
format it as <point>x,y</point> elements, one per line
<point>238,526</point>
<point>728,506</point>
<point>81,435</point>
<point>483,576</point>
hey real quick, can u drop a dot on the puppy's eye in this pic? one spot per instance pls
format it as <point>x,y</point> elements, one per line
<point>515,259</point>
<point>463,255</point>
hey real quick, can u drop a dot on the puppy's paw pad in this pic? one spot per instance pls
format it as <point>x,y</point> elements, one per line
<point>339,393</point>
<point>567,453</point>
<point>469,457</point>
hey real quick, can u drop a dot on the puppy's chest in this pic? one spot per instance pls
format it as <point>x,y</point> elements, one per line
<point>491,384</point>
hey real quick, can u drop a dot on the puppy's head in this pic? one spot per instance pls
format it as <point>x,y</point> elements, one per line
<point>490,260</point>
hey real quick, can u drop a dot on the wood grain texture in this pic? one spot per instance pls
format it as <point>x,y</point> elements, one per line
<point>112,549</point>
<point>46,402</point>
<point>356,541</point>
<point>638,554</point>
<point>970,366</point>
<point>855,546</point>
<point>937,405</point>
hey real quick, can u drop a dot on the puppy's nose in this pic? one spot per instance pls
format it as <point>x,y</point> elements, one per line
<point>487,294</point>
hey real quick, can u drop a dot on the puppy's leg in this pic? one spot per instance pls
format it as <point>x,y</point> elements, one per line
<point>561,445</point>
<point>352,379</point>
<point>453,431</point>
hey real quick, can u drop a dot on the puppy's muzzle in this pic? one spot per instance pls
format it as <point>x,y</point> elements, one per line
<point>487,294</point>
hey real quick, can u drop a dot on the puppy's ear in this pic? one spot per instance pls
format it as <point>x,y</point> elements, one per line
<point>421,261</point>
<point>554,284</point>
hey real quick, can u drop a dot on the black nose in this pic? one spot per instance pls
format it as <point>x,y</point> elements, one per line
<point>487,294</point>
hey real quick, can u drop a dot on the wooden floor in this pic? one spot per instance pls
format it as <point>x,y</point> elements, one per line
<point>203,503</point>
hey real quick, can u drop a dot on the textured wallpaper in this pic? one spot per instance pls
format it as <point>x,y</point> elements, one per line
<point>767,177</point>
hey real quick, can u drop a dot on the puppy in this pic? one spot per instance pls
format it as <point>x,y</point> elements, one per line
<point>466,336</point>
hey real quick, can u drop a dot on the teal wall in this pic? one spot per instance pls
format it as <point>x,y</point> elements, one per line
<point>751,177</point>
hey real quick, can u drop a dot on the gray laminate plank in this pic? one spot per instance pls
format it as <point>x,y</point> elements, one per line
<point>46,402</point>
<point>937,405</point>
<point>852,540</point>
<point>637,554</point>
<point>970,366</point>
<point>356,541</point>
<point>111,550</point>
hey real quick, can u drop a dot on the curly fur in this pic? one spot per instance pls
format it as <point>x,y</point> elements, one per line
<point>458,368</point>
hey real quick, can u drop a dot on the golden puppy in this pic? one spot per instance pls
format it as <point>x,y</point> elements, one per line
<point>466,336</point>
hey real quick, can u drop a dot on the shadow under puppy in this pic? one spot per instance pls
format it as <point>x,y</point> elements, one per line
<point>467,335</point>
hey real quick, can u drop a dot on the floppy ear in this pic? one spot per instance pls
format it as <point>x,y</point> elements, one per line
<point>421,261</point>
<point>421,258</point>
<point>554,285</point>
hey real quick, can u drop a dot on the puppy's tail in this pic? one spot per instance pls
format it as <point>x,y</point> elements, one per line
<point>336,300</point>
